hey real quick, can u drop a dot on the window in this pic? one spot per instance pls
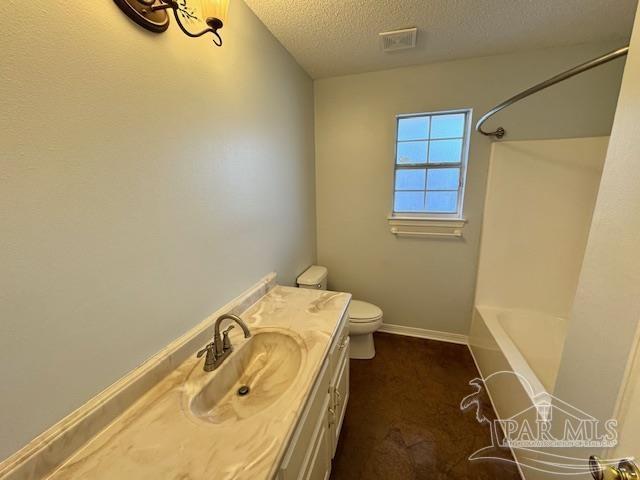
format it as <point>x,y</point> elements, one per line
<point>430,164</point>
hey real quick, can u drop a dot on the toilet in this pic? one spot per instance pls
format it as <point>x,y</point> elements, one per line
<point>364,318</point>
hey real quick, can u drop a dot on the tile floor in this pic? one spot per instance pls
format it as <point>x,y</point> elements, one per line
<point>404,421</point>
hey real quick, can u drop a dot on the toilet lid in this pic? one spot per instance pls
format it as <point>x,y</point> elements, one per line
<point>363,312</point>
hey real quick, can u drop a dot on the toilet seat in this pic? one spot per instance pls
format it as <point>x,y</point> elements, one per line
<point>364,312</point>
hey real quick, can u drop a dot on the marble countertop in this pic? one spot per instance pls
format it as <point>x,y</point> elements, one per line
<point>159,438</point>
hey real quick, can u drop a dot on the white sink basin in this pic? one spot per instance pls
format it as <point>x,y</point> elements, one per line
<point>267,363</point>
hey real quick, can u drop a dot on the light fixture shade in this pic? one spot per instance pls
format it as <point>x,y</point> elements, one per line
<point>214,9</point>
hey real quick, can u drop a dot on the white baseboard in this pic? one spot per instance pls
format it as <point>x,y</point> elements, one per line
<point>424,333</point>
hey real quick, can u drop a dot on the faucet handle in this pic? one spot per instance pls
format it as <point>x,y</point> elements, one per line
<point>209,347</point>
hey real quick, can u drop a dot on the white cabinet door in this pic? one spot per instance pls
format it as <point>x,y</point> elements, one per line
<point>313,452</point>
<point>319,462</point>
<point>339,346</point>
<point>340,397</point>
<point>300,450</point>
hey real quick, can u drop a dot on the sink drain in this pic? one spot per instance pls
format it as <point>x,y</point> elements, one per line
<point>243,390</point>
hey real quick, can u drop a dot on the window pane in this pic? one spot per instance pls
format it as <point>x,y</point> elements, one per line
<point>409,202</point>
<point>412,152</point>
<point>443,179</point>
<point>447,126</point>
<point>414,128</point>
<point>442,202</point>
<point>410,179</point>
<point>445,151</point>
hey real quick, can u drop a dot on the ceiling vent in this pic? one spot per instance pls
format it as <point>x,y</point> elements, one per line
<point>399,39</point>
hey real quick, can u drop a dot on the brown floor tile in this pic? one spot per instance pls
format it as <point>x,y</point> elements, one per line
<point>404,421</point>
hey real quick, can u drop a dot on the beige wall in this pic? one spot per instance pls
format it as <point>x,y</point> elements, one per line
<point>606,312</point>
<point>144,181</point>
<point>418,282</point>
<point>538,209</point>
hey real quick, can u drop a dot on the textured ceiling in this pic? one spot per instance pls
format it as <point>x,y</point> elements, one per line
<point>338,37</point>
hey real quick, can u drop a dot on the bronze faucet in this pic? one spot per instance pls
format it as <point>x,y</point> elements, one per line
<point>219,349</point>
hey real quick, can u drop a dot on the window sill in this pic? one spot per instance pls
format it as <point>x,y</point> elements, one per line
<point>427,227</point>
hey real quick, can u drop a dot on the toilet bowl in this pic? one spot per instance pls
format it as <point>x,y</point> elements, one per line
<point>364,318</point>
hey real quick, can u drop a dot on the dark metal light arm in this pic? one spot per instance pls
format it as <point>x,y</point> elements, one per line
<point>153,15</point>
<point>214,23</point>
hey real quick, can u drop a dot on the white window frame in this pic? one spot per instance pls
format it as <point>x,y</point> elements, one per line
<point>428,223</point>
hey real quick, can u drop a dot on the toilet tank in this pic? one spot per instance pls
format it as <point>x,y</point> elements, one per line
<point>313,277</point>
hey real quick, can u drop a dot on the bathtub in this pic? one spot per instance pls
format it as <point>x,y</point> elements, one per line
<point>518,355</point>
<point>519,352</point>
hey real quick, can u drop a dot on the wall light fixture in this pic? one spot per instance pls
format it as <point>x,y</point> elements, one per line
<point>153,15</point>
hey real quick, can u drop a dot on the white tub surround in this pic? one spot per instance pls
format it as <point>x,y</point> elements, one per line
<point>159,436</point>
<point>538,210</point>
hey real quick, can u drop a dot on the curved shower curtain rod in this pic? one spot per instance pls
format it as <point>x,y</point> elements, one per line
<point>500,132</point>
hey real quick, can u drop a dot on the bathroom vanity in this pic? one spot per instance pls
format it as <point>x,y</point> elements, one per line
<point>272,409</point>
